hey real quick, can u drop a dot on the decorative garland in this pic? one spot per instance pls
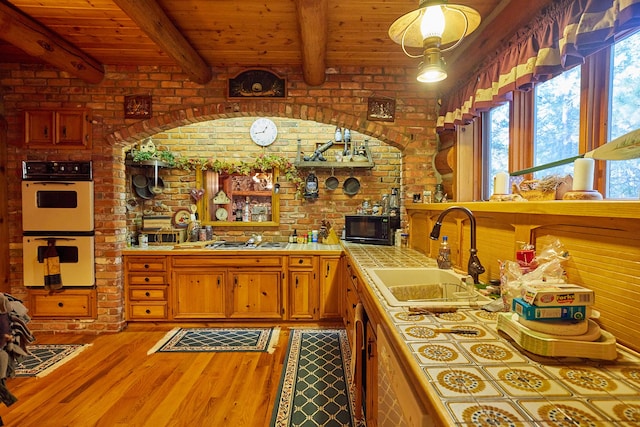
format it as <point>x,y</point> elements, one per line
<point>264,162</point>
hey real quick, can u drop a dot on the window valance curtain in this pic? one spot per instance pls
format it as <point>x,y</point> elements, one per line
<point>560,38</point>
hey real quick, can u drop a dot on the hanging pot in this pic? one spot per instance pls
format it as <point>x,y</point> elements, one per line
<point>156,186</point>
<point>351,186</point>
<point>144,192</point>
<point>139,181</point>
<point>332,182</point>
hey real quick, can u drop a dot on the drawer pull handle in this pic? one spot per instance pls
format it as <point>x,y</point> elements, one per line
<point>60,304</point>
<point>146,266</point>
<point>147,311</point>
<point>300,261</point>
<point>147,294</point>
<point>146,279</point>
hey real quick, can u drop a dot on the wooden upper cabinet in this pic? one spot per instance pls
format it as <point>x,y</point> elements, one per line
<point>60,128</point>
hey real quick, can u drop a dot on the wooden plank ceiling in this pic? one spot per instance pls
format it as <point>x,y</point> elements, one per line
<point>83,36</point>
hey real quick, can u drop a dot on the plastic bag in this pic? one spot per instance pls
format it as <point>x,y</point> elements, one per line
<point>548,269</point>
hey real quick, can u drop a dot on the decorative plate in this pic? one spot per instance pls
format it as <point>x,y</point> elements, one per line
<point>181,218</point>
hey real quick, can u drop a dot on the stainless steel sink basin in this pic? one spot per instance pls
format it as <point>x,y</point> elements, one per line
<point>426,287</point>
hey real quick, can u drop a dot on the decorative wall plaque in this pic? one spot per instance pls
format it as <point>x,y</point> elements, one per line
<point>257,83</point>
<point>137,106</point>
<point>381,109</point>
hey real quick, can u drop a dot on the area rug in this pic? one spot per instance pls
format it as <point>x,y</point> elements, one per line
<point>315,388</point>
<point>217,339</point>
<point>45,358</point>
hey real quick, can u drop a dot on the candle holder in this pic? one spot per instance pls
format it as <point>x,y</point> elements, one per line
<point>582,195</point>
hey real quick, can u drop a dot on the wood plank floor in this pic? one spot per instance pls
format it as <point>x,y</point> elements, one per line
<point>115,383</point>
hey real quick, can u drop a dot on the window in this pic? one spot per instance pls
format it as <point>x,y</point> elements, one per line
<point>623,177</point>
<point>557,122</point>
<point>497,145</point>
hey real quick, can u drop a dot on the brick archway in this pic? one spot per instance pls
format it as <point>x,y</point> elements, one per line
<point>189,115</point>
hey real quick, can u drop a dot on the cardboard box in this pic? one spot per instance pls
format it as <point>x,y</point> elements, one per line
<point>532,312</point>
<point>557,294</point>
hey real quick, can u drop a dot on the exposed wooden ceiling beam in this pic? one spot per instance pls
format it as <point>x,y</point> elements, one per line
<point>37,40</point>
<point>148,15</point>
<point>314,27</point>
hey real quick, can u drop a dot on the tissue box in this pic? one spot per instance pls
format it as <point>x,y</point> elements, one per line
<point>557,294</point>
<point>532,312</point>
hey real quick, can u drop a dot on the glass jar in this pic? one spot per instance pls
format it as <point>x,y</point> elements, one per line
<point>439,194</point>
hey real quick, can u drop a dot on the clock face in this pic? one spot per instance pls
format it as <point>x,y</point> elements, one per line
<point>263,132</point>
<point>221,214</point>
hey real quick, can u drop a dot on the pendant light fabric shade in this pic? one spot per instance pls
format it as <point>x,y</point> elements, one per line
<point>406,29</point>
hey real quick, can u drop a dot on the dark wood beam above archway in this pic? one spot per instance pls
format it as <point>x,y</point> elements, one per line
<point>38,41</point>
<point>313,23</point>
<point>150,17</point>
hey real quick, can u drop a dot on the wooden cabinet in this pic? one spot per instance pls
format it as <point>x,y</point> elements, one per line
<point>330,287</point>
<point>199,293</point>
<point>237,200</point>
<point>303,287</point>
<point>146,288</point>
<point>70,303</point>
<point>371,376</point>
<point>350,300</point>
<point>60,128</point>
<point>256,294</point>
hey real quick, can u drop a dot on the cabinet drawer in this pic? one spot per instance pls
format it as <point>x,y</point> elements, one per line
<point>255,260</point>
<point>148,294</point>
<point>66,304</point>
<point>148,311</point>
<point>146,264</point>
<point>301,261</point>
<point>147,279</point>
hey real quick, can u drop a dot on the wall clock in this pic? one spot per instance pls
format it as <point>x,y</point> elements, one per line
<point>263,132</point>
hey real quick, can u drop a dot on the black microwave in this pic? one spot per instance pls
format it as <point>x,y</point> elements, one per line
<point>370,229</point>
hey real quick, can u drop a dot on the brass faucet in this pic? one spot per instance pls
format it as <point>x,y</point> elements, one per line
<point>474,267</point>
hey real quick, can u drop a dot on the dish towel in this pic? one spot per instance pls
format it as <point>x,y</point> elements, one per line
<point>356,357</point>
<point>52,277</point>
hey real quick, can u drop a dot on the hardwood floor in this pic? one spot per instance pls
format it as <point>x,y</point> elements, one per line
<point>115,383</point>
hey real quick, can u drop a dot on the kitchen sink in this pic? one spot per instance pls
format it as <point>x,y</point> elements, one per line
<point>426,287</point>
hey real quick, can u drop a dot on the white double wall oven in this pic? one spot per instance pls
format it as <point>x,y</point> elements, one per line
<point>58,206</point>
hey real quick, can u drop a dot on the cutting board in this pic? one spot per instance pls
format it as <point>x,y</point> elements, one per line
<point>542,344</point>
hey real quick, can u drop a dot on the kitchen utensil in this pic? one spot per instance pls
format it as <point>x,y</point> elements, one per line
<point>624,147</point>
<point>332,182</point>
<point>139,181</point>
<point>156,186</point>
<point>351,186</point>
<point>143,192</point>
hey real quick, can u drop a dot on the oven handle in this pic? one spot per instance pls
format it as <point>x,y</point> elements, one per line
<point>54,182</point>
<point>54,238</point>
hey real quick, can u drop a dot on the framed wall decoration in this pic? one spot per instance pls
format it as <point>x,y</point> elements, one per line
<point>381,109</point>
<point>137,106</point>
<point>257,83</point>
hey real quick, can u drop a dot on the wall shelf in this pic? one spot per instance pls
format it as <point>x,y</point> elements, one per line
<point>300,163</point>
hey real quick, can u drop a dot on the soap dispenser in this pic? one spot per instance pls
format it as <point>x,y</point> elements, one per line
<point>444,254</point>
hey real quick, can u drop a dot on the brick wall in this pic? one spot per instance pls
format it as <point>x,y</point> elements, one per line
<point>342,101</point>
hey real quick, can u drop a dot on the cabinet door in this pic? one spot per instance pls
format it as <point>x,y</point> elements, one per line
<point>371,376</point>
<point>303,291</point>
<point>198,294</point>
<point>39,128</point>
<point>71,129</point>
<point>330,287</point>
<point>256,294</point>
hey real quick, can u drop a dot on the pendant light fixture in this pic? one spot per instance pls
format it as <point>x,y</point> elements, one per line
<point>436,26</point>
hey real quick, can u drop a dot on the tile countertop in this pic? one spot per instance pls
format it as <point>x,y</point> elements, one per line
<point>484,380</point>
<point>289,248</point>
